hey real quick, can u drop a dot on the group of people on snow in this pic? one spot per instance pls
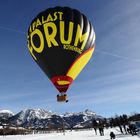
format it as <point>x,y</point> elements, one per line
<point>125,127</point>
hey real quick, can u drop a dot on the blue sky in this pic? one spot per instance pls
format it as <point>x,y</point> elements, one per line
<point>109,84</point>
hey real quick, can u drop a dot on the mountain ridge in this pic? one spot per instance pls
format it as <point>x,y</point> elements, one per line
<point>40,118</point>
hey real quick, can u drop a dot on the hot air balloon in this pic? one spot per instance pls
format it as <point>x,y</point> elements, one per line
<point>61,40</point>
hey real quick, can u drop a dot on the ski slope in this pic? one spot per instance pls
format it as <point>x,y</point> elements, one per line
<point>74,135</point>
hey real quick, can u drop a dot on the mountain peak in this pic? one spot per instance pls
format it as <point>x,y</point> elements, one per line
<point>35,113</point>
<point>89,112</point>
<point>7,112</point>
<point>86,112</point>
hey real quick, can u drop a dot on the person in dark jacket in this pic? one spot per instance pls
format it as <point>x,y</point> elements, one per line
<point>112,135</point>
<point>95,124</point>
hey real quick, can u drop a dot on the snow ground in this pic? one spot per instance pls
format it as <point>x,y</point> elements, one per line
<point>74,135</point>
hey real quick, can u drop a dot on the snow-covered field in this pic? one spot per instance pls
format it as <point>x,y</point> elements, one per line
<point>74,135</point>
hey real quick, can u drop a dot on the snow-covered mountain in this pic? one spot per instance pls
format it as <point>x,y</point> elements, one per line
<point>40,118</point>
<point>31,114</point>
<point>30,117</point>
<point>4,114</point>
<point>81,119</point>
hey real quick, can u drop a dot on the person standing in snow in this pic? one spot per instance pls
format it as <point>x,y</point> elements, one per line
<point>101,127</point>
<point>112,135</point>
<point>94,125</point>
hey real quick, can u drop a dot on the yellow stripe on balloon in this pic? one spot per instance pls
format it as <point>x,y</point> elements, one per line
<point>80,63</point>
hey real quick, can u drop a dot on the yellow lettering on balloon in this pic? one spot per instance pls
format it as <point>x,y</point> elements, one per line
<point>31,49</point>
<point>43,20</point>
<point>55,16</point>
<point>81,37</point>
<point>40,48</point>
<point>49,18</point>
<point>30,29</point>
<point>62,33</point>
<point>60,15</point>
<point>50,37</point>
<point>38,22</point>
<point>33,25</point>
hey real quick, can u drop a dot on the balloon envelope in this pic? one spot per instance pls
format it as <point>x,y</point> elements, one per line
<point>61,41</point>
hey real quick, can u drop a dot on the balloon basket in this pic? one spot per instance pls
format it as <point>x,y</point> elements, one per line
<point>62,98</point>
